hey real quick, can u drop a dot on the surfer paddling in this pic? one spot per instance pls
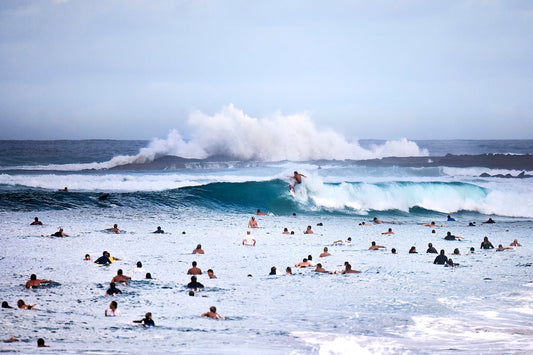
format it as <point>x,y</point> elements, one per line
<point>297,180</point>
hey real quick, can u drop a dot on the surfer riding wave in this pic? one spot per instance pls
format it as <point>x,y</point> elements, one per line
<point>297,180</point>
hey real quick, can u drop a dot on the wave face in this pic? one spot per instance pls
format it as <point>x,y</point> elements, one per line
<point>313,196</point>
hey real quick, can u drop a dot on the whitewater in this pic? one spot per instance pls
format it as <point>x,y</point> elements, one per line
<point>203,189</point>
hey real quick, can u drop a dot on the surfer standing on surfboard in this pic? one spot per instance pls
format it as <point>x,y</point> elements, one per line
<point>297,180</point>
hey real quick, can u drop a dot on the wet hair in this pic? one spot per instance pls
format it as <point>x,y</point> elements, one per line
<point>112,284</point>
<point>119,272</point>
<point>6,305</point>
<point>285,229</point>
<point>393,250</point>
<point>442,252</point>
<point>114,304</point>
<point>199,246</point>
<point>115,225</point>
<point>40,342</point>
<point>292,232</point>
<point>373,243</point>
<point>20,303</point>
<point>36,219</point>
<point>139,264</point>
<point>33,277</point>
<point>193,278</point>
<point>325,248</point>
<point>87,255</point>
<point>210,270</point>
<point>213,309</point>
<point>319,265</point>
<point>433,231</point>
<point>309,257</point>
<point>456,251</point>
<point>194,263</point>
<point>148,315</point>
<point>288,269</point>
<point>191,293</point>
<point>148,275</point>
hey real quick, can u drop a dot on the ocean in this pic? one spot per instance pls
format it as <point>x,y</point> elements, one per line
<point>399,303</point>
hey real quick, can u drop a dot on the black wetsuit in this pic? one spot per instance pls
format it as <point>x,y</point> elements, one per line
<point>440,259</point>
<point>57,234</point>
<point>104,260</point>
<point>195,285</point>
<point>160,231</point>
<point>486,245</point>
<point>450,237</point>
<point>112,291</point>
<point>432,250</point>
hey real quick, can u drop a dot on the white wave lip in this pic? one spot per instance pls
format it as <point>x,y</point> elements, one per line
<point>232,133</point>
<point>511,200</point>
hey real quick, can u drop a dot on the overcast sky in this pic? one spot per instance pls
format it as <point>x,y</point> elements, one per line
<point>368,69</point>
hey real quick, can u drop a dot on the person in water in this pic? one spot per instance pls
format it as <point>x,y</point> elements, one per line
<point>450,236</point>
<point>515,243</point>
<point>388,232</point>
<point>288,271</point>
<point>211,274</point>
<point>159,230</point>
<point>120,277</point>
<point>285,231</point>
<point>450,263</point>
<point>431,249</point>
<point>198,249</point>
<point>374,246</point>
<point>112,311</point>
<point>22,305</point>
<point>87,257</point>
<point>112,290</point>
<point>377,221</point>
<point>450,218</point>
<point>308,230</point>
<point>304,263</point>
<point>212,314</point>
<point>59,233</point>
<point>348,269</point>
<point>432,224</point>
<point>194,284</point>
<point>259,213</point>
<point>34,282</point>
<point>103,197</point>
<point>40,341</point>
<point>489,221</point>
<point>456,252</point>
<point>249,241</point>
<point>139,268</point>
<point>325,253</point>
<point>6,305</point>
<point>147,321</point>
<point>441,259</point>
<point>104,259</point>
<point>502,248</point>
<point>114,229</point>
<point>273,271</point>
<point>413,250</point>
<point>486,244</point>
<point>36,222</point>
<point>194,270</point>
<point>252,223</point>
<point>63,190</point>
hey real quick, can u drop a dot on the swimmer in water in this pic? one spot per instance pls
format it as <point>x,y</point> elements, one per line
<point>59,233</point>
<point>285,231</point>
<point>486,244</point>
<point>120,277</point>
<point>348,270</point>
<point>139,268</point>
<point>212,314</point>
<point>103,197</point>
<point>376,247</point>
<point>308,230</point>
<point>325,253</point>
<point>304,263</point>
<point>259,213</point>
<point>87,257</point>
<point>159,230</point>
<point>502,248</point>
<point>40,341</point>
<point>194,284</point>
<point>449,236</point>
<point>198,249</point>
<point>112,311</point>
<point>377,221</point>
<point>34,282</point>
<point>22,305</point>
<point>432,224</point>
<point>63,190</point>
<point>515,243</point>
<point>194,270</point>
<point>388,232</point>
<point>114,229</point>
<point>252,223</point>
<point>441,259</point>
<point>36,222</point>
<point>431,249</point>
<point>413,250</point>
<point>211,274</point>
<point>112,290</point>
<point>288,271</point>
<point>147,321</point>
<point>489,221</point>
<point>248,241</point>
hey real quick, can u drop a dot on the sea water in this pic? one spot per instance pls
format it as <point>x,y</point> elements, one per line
<point>399,303</point>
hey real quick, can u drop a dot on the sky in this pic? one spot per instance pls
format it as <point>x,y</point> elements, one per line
<point>136,69</point>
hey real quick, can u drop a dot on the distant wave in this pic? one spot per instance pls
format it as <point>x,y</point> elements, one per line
<point>357,198</point>
<point>234,135</point>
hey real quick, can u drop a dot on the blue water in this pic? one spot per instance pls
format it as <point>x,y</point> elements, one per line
<point>398,304</point>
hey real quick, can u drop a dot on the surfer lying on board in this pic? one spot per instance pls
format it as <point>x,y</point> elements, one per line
<point>297,180</point>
